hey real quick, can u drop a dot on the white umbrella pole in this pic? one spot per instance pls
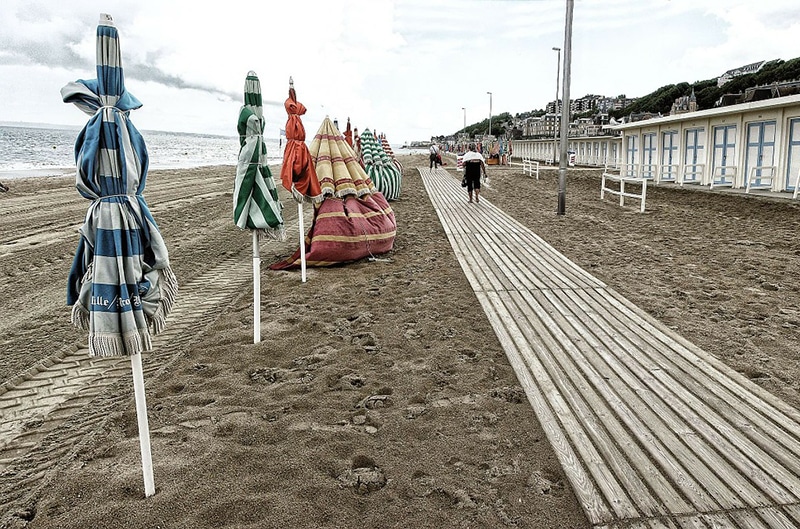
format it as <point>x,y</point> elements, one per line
<point>144,429</point>
<point>302,242</point>
<point>256,290</point>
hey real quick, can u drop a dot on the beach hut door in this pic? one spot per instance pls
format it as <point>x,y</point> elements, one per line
<point>760,151</point>
<point>794,154</point>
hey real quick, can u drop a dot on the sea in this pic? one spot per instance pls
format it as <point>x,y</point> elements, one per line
<point>49,150</point>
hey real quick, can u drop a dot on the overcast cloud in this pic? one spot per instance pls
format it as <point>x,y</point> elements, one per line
<point>403,67</point>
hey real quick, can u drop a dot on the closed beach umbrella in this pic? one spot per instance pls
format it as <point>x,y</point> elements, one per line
<point>121,286</point>
<point>255,197</point>
<point>390,153</point>
<point>348,134</point>
<point>338,171</point>
<point>297,172</point>
<point>379,167</point>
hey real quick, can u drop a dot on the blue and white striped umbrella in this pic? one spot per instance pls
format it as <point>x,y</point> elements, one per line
<point>121,285</point>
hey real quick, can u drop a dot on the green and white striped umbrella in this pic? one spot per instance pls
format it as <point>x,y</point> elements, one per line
<point>255,196</point>
<point>383,173</point>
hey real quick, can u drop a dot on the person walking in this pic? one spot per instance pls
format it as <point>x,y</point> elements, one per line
<point>435,157</point>
<point>474,167</point>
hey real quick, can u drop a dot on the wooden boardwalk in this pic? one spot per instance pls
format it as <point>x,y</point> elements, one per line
<point>652,431</point>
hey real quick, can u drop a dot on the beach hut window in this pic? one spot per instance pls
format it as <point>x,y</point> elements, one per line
<point>760,152</point>
<point>793,162</point>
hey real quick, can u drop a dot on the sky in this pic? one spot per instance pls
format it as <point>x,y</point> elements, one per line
<point>410,69</point>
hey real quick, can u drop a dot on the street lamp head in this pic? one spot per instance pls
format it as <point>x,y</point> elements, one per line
<point>556,49</point>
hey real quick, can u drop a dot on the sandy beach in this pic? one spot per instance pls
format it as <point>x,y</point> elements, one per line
<point>379,395</point>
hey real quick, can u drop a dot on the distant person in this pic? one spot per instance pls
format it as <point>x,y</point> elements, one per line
<point>436,158</point>
<point>474,167</point>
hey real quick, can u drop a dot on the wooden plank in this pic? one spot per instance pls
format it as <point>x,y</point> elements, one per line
<point>596,510</point>
<point>770,429</point>
<point>714,366</point>
<point>627,415</point>
<point>745,519</point>
<point>793,512</point>
<point>615,496</point>
<point>687,414</point>
<point>586,407</point>
<point>775,518</point>
<point>691,522</point>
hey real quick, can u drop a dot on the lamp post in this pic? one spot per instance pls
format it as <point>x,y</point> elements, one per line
<point>464,109</point>
<point>562,165</point>
<point>490,113</point>
<point>555,107</point>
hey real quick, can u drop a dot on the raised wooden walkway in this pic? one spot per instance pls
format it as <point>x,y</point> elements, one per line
<point>651,431</point>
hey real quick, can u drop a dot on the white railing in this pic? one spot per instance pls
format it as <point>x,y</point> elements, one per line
<point>796,185</point>
<point>621,179</point>
<point>668,173</point>
<point>723,176</point>
<point>530,167</point>
<point>767,173</point>
<point>649,171</point>
<point>692,173</point>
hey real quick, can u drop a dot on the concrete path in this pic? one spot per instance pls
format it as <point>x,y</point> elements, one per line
<point>652,431</point>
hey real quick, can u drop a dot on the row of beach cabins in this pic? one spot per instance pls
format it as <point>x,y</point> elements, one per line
<point>750,146</point>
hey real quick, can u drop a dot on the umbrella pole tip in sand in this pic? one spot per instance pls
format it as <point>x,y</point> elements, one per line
<point>144,428</point>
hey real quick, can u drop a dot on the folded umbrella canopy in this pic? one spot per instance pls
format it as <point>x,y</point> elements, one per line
<point>255,198</point>
<point>379,167</point>
<point>297,172</point>
<point>121,286</point>
<point>348,134</point>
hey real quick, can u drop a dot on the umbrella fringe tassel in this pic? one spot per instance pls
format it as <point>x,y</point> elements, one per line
<point>300,197</point>
<point>101,344</point>
<point>168,284</point>
<point>80,317</point>
<point>272,234</point>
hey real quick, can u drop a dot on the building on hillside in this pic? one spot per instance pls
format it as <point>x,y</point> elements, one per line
<point>741,70</point>
<point>684,104</point>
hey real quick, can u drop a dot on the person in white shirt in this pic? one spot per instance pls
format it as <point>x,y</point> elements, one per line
<point>474,166</point>
<point>435,159</point>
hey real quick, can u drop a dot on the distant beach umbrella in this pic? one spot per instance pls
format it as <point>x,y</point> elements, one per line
<point>255,198</point>
<point>348,134</point>
<point>354,220</point>
<point>390,153</point>
<point>385,175</point>
<point>121,285</point>
<point>338,171</point>
<point>357,146</point>
<point>297,172</point>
